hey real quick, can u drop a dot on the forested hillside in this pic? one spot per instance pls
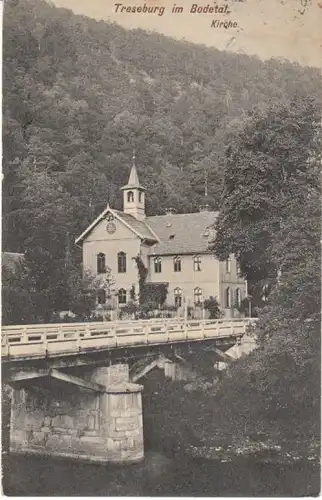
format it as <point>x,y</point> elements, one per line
<point>80,95</point>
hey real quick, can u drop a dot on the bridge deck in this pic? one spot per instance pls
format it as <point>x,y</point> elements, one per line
<point>52,340</point>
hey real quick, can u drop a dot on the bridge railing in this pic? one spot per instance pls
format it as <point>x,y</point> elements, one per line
<point>24,341</point>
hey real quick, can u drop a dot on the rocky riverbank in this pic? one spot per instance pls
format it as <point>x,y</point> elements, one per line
<point>262,452</point>
<point>179,419</point>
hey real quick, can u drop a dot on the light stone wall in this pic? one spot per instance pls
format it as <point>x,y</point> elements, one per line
<point>109,375</point>
<point>176,370</point>
<point>103,427</point>
<point>233,281</point>
<point>212,279</point>
<point>123,240</point>
<point>187,279</point>
<point>66,425</point>
<point>137,206</point>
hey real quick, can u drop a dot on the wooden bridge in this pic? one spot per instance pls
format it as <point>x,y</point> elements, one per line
<point>55,340</point>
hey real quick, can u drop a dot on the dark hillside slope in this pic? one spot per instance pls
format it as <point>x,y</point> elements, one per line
<point>79,95</point>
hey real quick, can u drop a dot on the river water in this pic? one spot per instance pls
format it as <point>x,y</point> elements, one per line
<point>164,472</point>
<point>158,475</point>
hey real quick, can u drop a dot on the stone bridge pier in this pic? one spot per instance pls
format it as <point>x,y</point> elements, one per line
<point>97,418</point>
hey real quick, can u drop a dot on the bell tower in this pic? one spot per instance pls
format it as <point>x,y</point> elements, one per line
<point>134,195</point>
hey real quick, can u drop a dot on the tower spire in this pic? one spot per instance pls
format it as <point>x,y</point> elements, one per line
<point>133,194</point>
<point>205,207</point>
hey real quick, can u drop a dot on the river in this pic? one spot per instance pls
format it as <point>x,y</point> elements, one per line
<point>158,475</point>
<point>163,472</point>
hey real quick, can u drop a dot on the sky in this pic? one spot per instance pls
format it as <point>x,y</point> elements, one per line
<point>290,29</point>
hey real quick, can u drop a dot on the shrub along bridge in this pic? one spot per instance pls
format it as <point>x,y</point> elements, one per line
<point>74,385</point>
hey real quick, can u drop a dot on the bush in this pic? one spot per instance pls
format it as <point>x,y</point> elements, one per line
<point>212,306</point>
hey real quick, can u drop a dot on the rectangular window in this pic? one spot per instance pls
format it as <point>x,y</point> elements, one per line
<point>228,265</point>
<point>237,298</point>
<point>197,296</point>
<point>122,296</point>
<point>157,265</point>
<point>197,263</point>
<point>121,262</point>
<point>178,297</point>
<point>227,298</point>
<point>100,263</point>
<point>177,264</point>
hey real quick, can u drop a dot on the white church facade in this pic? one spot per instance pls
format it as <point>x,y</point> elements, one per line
<point>174,249</point>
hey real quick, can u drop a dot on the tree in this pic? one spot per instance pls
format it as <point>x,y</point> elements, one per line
<point>212,306</point>
<point>280,401</point>
<point>272,396</point>
<point>17,304</point>
<point>82,296</point>
<point>269,164</point>
<point>154,293</point>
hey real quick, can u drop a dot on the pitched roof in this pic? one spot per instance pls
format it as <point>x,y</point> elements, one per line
<point>137,226</point>
<point>133,180</point>
<point>183,233</point>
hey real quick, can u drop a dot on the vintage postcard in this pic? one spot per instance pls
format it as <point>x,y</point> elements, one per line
<point>161,247</point>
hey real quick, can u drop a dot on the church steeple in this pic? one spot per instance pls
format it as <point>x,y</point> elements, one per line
<point>133,194</point>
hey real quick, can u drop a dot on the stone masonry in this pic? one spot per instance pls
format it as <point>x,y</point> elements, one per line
<point>79,423</point>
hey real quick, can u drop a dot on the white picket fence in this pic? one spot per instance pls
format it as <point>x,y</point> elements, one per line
<point>37,341</point>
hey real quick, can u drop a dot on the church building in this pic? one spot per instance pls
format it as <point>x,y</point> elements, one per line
<point>173,249</point>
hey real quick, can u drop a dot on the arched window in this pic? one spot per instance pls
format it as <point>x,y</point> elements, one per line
<point>122,296</point>
<point>177,264</point>
<point>237,297</point>
<point>227,298</point>
<point>237,269</point>
<point>157,265</point>
<point>121,262</point>
<point>197,296</point>
<point>100,262</point>
<point>197,263</point>
<point>178,297</point>
<point>228,265</point>
<point>101,296</point>
<point>130,196</point>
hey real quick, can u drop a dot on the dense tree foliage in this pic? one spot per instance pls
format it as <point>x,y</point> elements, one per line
<point>270,170</point>
<point>79,95</point>
<point>271,218</point>
<point>213,308</point>
<point>16,299</point>
<point>275,392</point>
<point>31,295</point>
<point>273,395</point>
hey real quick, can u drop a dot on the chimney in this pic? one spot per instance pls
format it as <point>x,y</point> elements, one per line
<point>204,208</point>
<point>169,211</point>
